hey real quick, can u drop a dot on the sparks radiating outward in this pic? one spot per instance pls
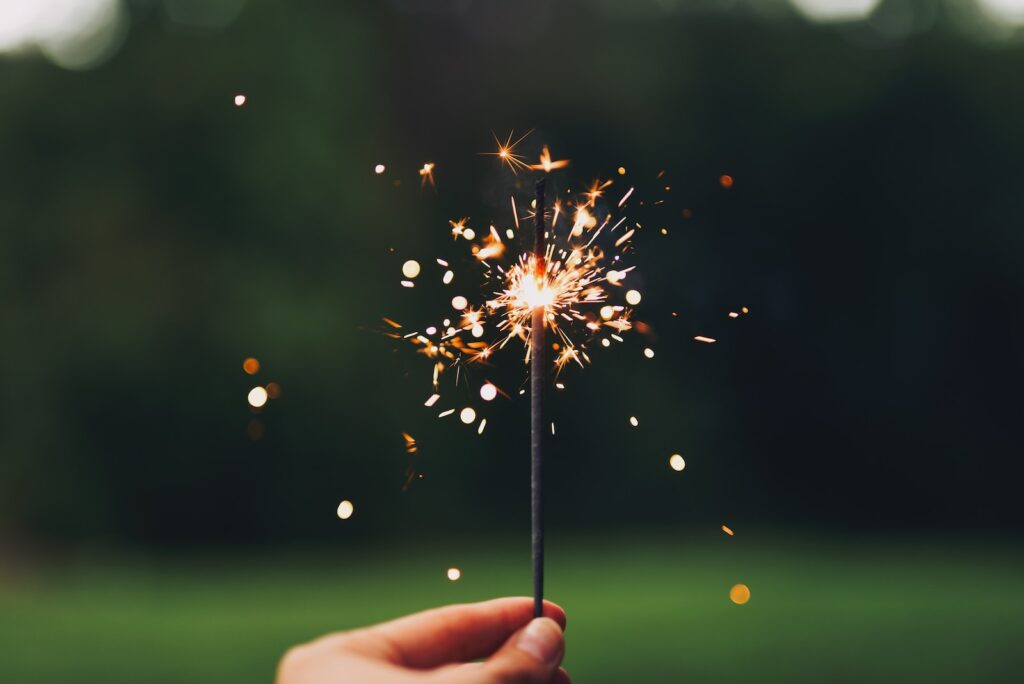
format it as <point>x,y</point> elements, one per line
<point>506,152</point>
<point>574,281</point>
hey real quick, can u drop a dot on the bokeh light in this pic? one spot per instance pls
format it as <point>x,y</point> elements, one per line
<point>346,509</point>
<point>75,34</point>
<point>1006,11</point>
<point>676,462</point>
<point>239,100</point>
<point>251,366</point>
<point>257,397</point>
<point>411,268</point>
<point>835,10</point>
<point>739,594</point>
<point>467,415</point>
<point>633,297</point>
<point>488,392</point>
<point>453,574</point>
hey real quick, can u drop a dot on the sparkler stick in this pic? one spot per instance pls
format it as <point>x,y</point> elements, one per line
<point>537,414</point>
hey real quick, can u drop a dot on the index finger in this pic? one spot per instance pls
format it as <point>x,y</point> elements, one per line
<point>458,633</point>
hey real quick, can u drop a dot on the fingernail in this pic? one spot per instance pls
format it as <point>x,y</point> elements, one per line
<point>542,639</point>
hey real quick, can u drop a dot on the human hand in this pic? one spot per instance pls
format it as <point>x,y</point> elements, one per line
<point>438,646</point>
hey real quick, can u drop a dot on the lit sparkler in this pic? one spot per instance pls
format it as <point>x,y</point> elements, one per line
<point>568,288</point>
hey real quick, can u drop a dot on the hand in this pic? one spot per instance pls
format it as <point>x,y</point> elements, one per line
<point>437,647</point>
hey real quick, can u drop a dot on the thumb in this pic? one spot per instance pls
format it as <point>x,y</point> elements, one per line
<point>530,656</point>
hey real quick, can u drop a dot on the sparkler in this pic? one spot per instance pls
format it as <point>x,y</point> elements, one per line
<point>563,293</point>
<point>537,411</point>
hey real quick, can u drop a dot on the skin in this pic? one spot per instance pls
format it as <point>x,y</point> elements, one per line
<point>494,642</point>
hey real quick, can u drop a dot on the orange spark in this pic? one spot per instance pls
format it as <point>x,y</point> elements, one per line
<point>546,164</point>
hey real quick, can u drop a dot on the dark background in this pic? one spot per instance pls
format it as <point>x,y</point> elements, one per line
<point>154,236</point>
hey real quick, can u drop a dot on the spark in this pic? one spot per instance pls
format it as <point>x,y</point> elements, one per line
<point>459,227</point>
<point>725,180</point>
<point>626,197</point>
<point>707,340</point>
<point>733,314</point>
<point>506,151</point>
<point>649,353</point>
<point>453,574</point>
<point>483,424</point>
<point>622,170</point>
<point>410,443</point>
<point>745,310</point>
<point>575,286</point>
<point>676,462</point>
<point>239,100</point>
<point>252,365</point>
<point>346,509</point>
<point>625,237</point>
<point>546,165</point>
<point>728,531</point>
<point>633,421</point>
<point>379,169</point>
<point>427,175</point>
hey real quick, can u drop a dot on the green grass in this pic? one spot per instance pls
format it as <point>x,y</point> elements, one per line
<point>654,610</point>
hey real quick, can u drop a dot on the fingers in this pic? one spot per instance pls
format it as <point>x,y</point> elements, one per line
<point>530,656</point>
<point>451,634</point>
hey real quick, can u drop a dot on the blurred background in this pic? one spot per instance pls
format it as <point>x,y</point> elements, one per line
<point>200,198</point>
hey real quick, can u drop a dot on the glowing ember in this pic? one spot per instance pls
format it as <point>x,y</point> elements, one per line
<point>725,181</point>
<point>706,340</point>
<point>251,366</point>
<point>379,169</point>
<point>676,462</point>
<point>727,530</point>
<point>633,421</point>
<point>649,353</point>
<point>427,174</point>
<point>454,574</point>
<point>432,399</point>
<point>239,100</point>
<point>346,509</point>
<point>739,594</point>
